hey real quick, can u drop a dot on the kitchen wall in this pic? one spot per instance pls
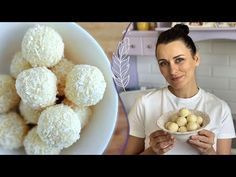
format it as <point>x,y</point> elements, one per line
<point>216,73</point>
<point>107,34</point>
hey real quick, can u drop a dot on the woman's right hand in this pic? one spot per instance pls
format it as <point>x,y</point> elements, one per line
<point>161,141</point>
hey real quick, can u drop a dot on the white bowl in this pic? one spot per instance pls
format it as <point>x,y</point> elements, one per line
<point>80,47</point>
<point>183,136</point>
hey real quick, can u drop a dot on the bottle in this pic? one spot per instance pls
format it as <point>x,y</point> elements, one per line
<point>143,26</point>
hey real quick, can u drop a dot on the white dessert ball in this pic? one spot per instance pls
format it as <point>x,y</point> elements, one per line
<point>9,98</point>
<point>35,146</point>
<point>192,118</point>
<point>191,126</point>
<point>42,46</point>
<point>59,126</point>
<point>182,129</point>
<point>84,113</point>
<point>18,64</point>
<point>199,120</point>
<point>174,117</point>
<point>29,114</point>
<point>184,112</point>
<point>181,121</point>
<point>85,85</point>
<point>173,127</point>
<point>167,124</point>
<point>61,70</point>
<point>37,87</point>
<point>12,130</point>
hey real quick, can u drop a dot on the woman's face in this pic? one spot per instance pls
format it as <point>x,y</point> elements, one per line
<point>177,64</point>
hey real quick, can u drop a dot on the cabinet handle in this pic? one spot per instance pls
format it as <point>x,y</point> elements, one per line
<point>132,46</point>
<point>149,46</point>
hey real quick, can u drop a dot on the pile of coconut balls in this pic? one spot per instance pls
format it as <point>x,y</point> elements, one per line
<point>46,101</point>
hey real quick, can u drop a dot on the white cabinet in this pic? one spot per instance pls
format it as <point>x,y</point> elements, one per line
<point>144,42</point>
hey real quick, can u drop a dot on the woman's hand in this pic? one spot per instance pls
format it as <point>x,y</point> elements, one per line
<point>161,141</point>
<point>204,142</point>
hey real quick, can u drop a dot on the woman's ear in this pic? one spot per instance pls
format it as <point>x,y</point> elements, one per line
<point>197,59</point>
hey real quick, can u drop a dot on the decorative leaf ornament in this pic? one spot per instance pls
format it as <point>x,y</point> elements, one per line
<point>120,65</point>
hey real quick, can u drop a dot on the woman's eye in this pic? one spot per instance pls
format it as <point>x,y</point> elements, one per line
<point>178,60</point>
<point>163,63</point>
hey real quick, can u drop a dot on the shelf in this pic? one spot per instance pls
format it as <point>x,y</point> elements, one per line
<point>143,42</point>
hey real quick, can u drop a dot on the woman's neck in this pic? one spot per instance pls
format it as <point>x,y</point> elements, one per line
<point>186,92</point>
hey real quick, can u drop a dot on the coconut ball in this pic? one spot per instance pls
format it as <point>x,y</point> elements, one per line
<point>199,120</point>
<point>61,70</point>
<point>35,146</point>
<point>9,98</point>
<point>192,118</point>
<point>191,126</point>
<point>42,46</point>
<point>85,85</point>
<point>30,115</point>
<point>83,112</point>
<point>181,121</point>
<point>182,129</point>
<point>184,112</point>
<point>12,130</point>
<point>173,127</point>
<point>37,87</point>
<point>59,126</point>
<point>18,64</point>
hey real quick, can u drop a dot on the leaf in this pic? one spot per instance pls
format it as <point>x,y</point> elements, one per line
<point>120,64</point>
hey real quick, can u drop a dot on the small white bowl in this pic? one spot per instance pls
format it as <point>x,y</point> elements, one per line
<point>82,48</point>
<point>183,136</point>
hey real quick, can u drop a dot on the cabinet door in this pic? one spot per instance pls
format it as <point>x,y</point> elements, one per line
<point>149,46</point>
<point>135,46</point>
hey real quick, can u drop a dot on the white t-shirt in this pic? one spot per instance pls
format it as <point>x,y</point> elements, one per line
<point>148,108</point>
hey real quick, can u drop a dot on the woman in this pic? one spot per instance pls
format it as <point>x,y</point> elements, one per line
<point>178,59</point>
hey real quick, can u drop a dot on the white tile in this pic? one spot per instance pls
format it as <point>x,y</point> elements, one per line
<point>151,78</point>
<point>224,47</point>
<point>232,84</point>
<point>232,106</point>
<point>144,64</point>
<point>232,60</point>
<point>224,71</point>
<point>204,46</point>
<point>213,83</point>
<point>226,95</point>
<point>214,59</point>
<point>204,70</point>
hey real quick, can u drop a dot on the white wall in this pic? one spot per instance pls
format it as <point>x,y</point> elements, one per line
<point>216,73</point>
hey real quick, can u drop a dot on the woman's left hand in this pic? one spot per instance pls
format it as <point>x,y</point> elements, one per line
<point>204,142</point>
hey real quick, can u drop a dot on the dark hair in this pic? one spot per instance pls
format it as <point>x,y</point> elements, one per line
<point>178,32</point>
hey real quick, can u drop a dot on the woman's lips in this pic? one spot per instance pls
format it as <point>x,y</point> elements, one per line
<point>176,79</point>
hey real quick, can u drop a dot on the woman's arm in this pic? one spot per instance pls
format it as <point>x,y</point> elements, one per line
<point>134,146</point>
<point>204,142</point>
<point>224,146</point>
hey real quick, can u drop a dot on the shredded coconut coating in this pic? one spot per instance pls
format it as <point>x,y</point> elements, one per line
<point>37,87</point>
<point>85,85</point>
<point>9,98</point>
<point>12,130</point>
<point>42,46</point>
<point>35,146</point>
<point>59,126</point>
<point>84,113</point>
<point>61,70</point>
<point>18,64</point>
<point>30,115</point>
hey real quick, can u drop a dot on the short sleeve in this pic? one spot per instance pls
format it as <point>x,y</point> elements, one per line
<point>227,127</point>
<point>136,119</point>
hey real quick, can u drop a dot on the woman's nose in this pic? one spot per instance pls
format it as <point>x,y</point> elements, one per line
<point>173,69</point>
